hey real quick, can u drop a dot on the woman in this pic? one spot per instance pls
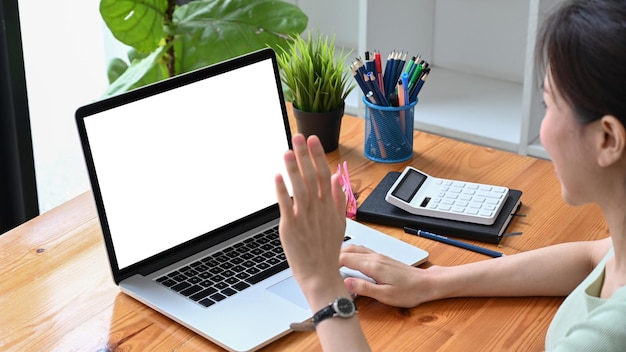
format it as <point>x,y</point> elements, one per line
<point>582,47</point>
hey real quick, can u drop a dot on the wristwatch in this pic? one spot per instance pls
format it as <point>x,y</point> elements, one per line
<point>341,307</point>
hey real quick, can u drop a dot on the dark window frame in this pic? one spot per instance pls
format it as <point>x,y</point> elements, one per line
<point>18,186</point>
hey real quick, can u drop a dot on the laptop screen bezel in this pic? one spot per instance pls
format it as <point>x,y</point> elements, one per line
<point>208,239</point>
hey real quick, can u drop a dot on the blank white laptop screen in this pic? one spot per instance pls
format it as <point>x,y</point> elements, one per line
<point>188,137</point>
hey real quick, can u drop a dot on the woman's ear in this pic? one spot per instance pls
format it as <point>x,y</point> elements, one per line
<point>612,142</point>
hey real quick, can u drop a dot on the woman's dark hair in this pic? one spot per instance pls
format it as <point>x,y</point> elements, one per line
<point>583,45</point>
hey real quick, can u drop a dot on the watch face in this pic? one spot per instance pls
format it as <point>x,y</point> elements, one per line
<point>344,307</point>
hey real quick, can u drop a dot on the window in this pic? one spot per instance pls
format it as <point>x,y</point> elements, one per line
<point>64,59</point>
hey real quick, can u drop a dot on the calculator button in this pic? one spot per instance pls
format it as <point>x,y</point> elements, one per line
<point>490,195</point>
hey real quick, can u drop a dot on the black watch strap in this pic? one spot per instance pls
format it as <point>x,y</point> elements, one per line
<point>323,314</point>
<point>341,307</point>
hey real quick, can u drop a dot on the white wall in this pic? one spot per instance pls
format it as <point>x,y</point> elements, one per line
<point>333,17</point>
<point>483,37</point>
<point>65,68</point>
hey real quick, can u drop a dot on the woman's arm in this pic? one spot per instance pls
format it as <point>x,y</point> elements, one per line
<point>550,271</point>
<point>312,227</point>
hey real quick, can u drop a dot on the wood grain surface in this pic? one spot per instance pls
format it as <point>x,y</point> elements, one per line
<point>57,294</point>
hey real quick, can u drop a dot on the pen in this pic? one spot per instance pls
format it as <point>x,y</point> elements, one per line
<point>380,97</point>
<point>360,66</point>
<point>393,100</point>
<point>381,144</point>
<point>389,74</point>
<point>369,62</point>
<point>358,78</point>
<point>386,74</point>
<point>409,65</point>
<point>418,86</point>
<point>401,93</point>
<point>402,100</point>
<point>400,67</point>
<point>405,85</point>
<point>439,238</point>
<point>379,71</point>
<point>370,87</point>
<point>416,75</point>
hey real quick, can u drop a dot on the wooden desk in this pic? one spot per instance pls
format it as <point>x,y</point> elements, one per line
<point>56,291</point>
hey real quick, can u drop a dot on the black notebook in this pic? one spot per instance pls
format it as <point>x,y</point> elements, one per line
<point>377,210</point>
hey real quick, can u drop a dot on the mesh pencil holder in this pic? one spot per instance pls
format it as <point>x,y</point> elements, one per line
<point>388,132</point>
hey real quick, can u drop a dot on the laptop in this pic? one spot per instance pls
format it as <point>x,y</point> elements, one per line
<point>182,173</point>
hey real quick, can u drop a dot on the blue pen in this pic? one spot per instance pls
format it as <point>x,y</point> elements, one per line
<point>405,86</point>
<point>439,238</point>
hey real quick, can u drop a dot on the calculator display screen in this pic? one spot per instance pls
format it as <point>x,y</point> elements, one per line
<point>409,185</point>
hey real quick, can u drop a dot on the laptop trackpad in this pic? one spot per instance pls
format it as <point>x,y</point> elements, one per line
<point>289,290</point>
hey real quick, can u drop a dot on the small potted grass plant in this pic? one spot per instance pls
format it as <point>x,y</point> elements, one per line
<point>317,84</point>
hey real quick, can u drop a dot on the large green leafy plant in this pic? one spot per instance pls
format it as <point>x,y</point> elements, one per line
<point>168,38</point>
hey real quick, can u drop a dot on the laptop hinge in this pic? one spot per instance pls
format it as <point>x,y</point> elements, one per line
<point>207,241</point>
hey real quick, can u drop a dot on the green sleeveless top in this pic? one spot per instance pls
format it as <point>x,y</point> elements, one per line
<point>585,322</point>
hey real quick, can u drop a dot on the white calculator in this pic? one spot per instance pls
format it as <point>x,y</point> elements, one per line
<point>419,193</point>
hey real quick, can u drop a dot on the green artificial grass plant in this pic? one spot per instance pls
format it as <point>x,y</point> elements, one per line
<point>316,79</point>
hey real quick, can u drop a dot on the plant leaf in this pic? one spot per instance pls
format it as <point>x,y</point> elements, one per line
<point>115,69</point>
<point>140,72</point>
<point>137,23</point>
<point>217,30</point>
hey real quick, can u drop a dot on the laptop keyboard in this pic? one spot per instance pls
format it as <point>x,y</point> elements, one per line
<point>224,273</point>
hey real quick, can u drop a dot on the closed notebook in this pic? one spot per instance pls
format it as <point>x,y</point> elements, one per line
<point>377,210</point>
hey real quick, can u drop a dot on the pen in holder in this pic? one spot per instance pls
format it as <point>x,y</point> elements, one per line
<point>388,132</point>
